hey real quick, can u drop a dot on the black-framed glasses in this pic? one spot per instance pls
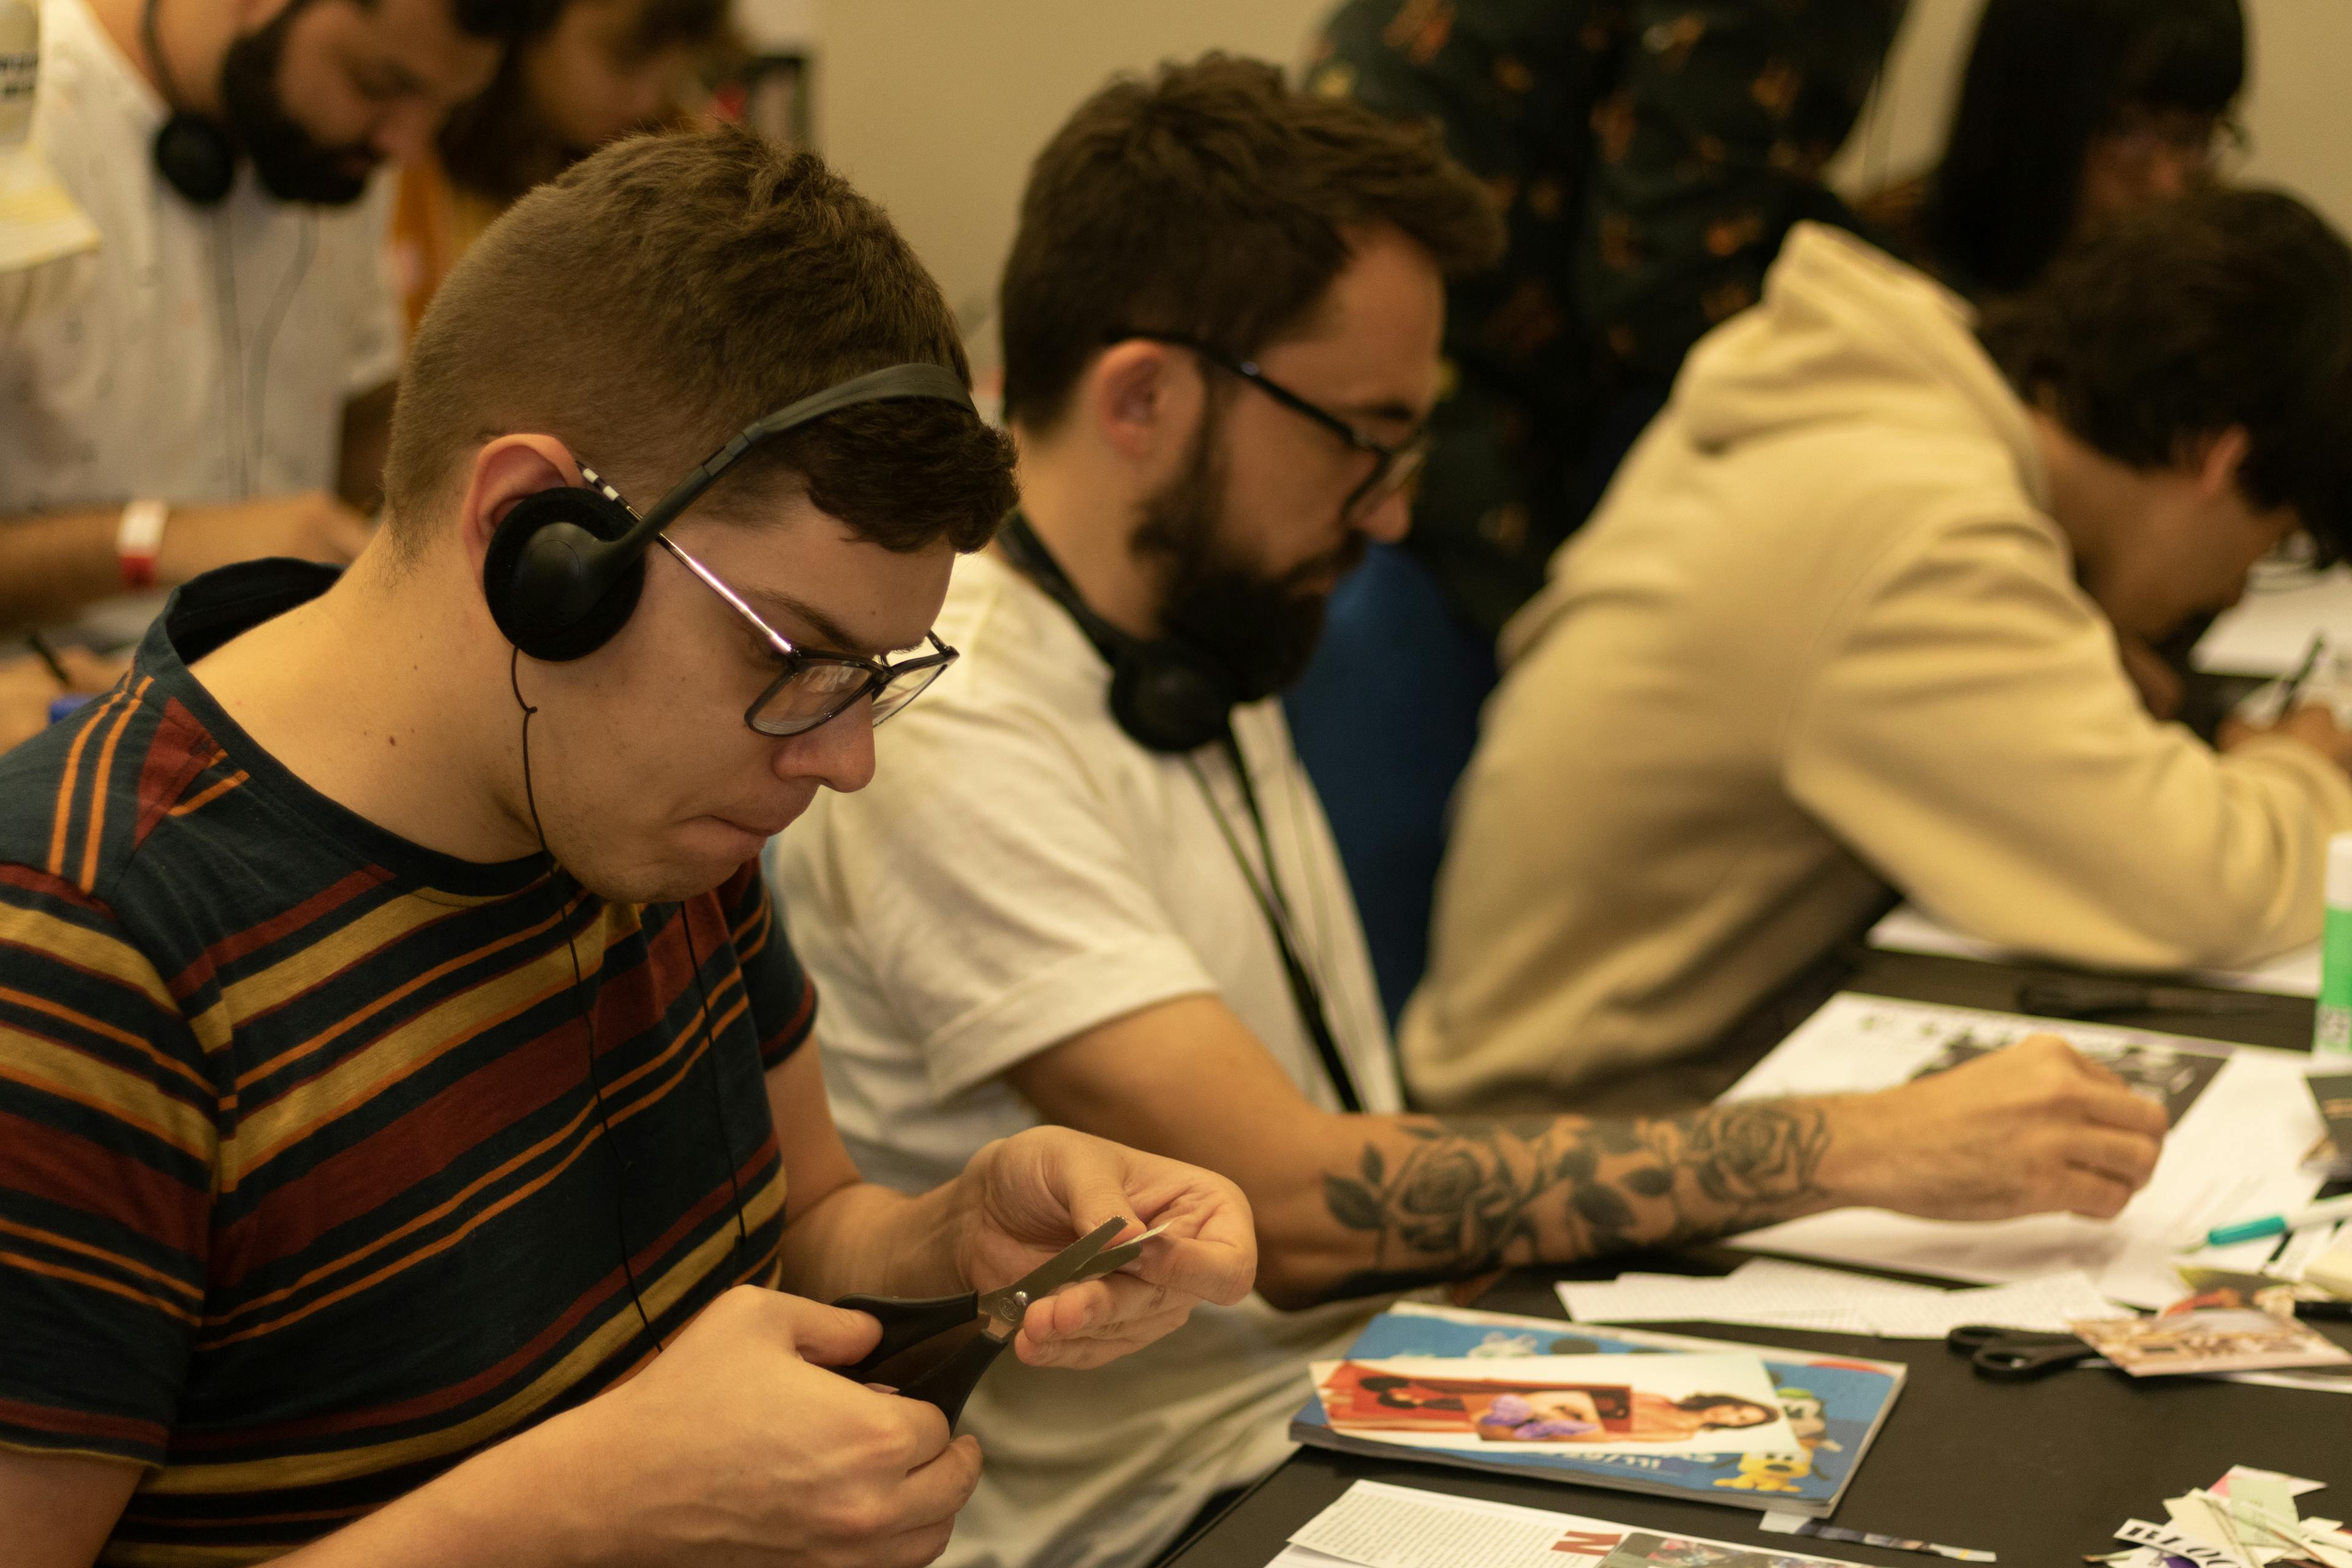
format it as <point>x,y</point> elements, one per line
<point>815,688</point>
<point>1394,466</point>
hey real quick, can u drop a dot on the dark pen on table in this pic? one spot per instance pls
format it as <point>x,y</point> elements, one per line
<point>2084,997</point>
<point>2302,673</point>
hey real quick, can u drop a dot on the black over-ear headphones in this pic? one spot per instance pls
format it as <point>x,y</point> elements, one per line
<point>194,155</point>
<point>566,566</point>
<point>1166,696</point>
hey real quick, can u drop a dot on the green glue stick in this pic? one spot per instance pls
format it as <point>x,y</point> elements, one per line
<point>2332,1033</point>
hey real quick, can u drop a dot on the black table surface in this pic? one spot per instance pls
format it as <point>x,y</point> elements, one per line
<point>2039,1472</point>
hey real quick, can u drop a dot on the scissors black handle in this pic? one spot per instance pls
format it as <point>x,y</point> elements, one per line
<point>935,1351</point>
<point>906,1324</point>
<point>2014,1355</point>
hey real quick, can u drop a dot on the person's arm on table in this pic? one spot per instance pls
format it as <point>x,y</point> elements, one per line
<point>53,563</point>
<point>1351,1203</point>
<point>1973,735</point>
<point>1019,1201</point>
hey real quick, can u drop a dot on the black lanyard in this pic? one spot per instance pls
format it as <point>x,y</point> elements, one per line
<point>1304,992</point>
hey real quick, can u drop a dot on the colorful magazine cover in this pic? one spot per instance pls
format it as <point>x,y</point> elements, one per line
<point>1576,1404</point>
<point>1835,1404</point>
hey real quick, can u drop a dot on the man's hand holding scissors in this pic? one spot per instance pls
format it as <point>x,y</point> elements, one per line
<point>1025,1199</point>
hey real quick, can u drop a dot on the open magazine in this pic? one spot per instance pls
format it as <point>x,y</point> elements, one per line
<point>1834,1405</point>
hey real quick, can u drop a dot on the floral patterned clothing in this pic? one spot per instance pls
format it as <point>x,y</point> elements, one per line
<point>1649,157</point>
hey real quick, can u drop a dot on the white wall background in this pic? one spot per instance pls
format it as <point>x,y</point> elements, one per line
<point>935,107</point>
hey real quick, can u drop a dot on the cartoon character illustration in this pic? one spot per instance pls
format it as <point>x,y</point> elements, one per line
<point>1769,1472</point>
<point>1804,1410</point>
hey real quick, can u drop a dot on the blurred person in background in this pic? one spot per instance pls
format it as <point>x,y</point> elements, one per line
<point>1649,158</point>
<point>586,72</point>
<point>2071,112</point>
<point>216,384</point>
<point>1852,623</point>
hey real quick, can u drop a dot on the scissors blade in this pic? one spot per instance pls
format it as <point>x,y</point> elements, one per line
<point>1117,1259</point>
<point>1067,1266</point>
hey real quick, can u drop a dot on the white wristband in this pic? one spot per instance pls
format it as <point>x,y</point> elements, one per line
<point>138,539</point>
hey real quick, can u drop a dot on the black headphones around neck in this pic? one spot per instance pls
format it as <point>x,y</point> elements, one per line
<point>566,566</point>
<point>194,155</point>
<point>1167,695</point>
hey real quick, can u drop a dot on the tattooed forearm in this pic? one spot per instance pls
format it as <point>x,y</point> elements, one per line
<point>1448,1197</point>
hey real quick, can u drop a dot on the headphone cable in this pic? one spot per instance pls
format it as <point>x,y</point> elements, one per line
<point>587,1016</point>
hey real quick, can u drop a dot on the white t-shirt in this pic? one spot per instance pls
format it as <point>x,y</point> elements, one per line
<point>210,354</point>
<point>1018,872</point>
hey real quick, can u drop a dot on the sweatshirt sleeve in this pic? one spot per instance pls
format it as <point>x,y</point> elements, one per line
<point>1971,734</point>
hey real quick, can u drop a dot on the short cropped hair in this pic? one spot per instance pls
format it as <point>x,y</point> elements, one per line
<point>1212,201</point>
<point>2171,324</point>
<point>664,293</point>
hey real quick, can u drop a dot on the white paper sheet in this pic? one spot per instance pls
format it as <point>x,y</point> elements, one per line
<point>2043,1306</point>
<point>1772,1293</point>
<point>2302,1248</point>
<point>1374,1525</point>
<point>1909,928</point>
<point>2232,1155</point>
<point>2269,630</point>
<point>1394,1527</point>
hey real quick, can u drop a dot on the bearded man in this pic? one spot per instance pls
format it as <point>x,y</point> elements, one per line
<point>1090,885</point>
<point>214,385</point>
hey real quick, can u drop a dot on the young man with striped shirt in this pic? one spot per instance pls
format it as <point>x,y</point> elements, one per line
<point>400,1071</point>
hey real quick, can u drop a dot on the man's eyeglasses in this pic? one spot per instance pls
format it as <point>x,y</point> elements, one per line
<point>1394,468</point>
<point>818,687</point>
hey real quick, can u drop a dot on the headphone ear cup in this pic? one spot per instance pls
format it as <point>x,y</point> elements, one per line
<point>1168,700</point>
<point>545,575</point>
<point>195,158</point>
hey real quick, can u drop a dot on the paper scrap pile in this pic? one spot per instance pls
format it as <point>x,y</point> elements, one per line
<point>2245,1520</point>
<point>1771,1293</point>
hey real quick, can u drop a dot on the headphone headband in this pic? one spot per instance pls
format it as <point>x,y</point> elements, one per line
<point>896,384</point>
<point>563,569</point>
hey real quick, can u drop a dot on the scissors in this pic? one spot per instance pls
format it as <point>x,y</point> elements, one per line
<point>2014,1355</point>
<point>935,1350</point>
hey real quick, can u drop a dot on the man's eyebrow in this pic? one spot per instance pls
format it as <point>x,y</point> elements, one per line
<point>830,636</point>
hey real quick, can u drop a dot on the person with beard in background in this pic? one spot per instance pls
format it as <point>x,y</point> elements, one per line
<point>218,388</point>
<point>585,72</point>
<point>1090,885</point>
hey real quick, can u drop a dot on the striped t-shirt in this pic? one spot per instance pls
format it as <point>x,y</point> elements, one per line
<point>304,1192</point>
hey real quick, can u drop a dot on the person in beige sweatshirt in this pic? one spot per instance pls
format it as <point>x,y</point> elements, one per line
<point>1865,608</point>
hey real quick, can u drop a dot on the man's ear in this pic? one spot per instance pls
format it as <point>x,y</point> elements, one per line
<point>504,472</point>
<point>1145,397</point>
<point>2217,461</point>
